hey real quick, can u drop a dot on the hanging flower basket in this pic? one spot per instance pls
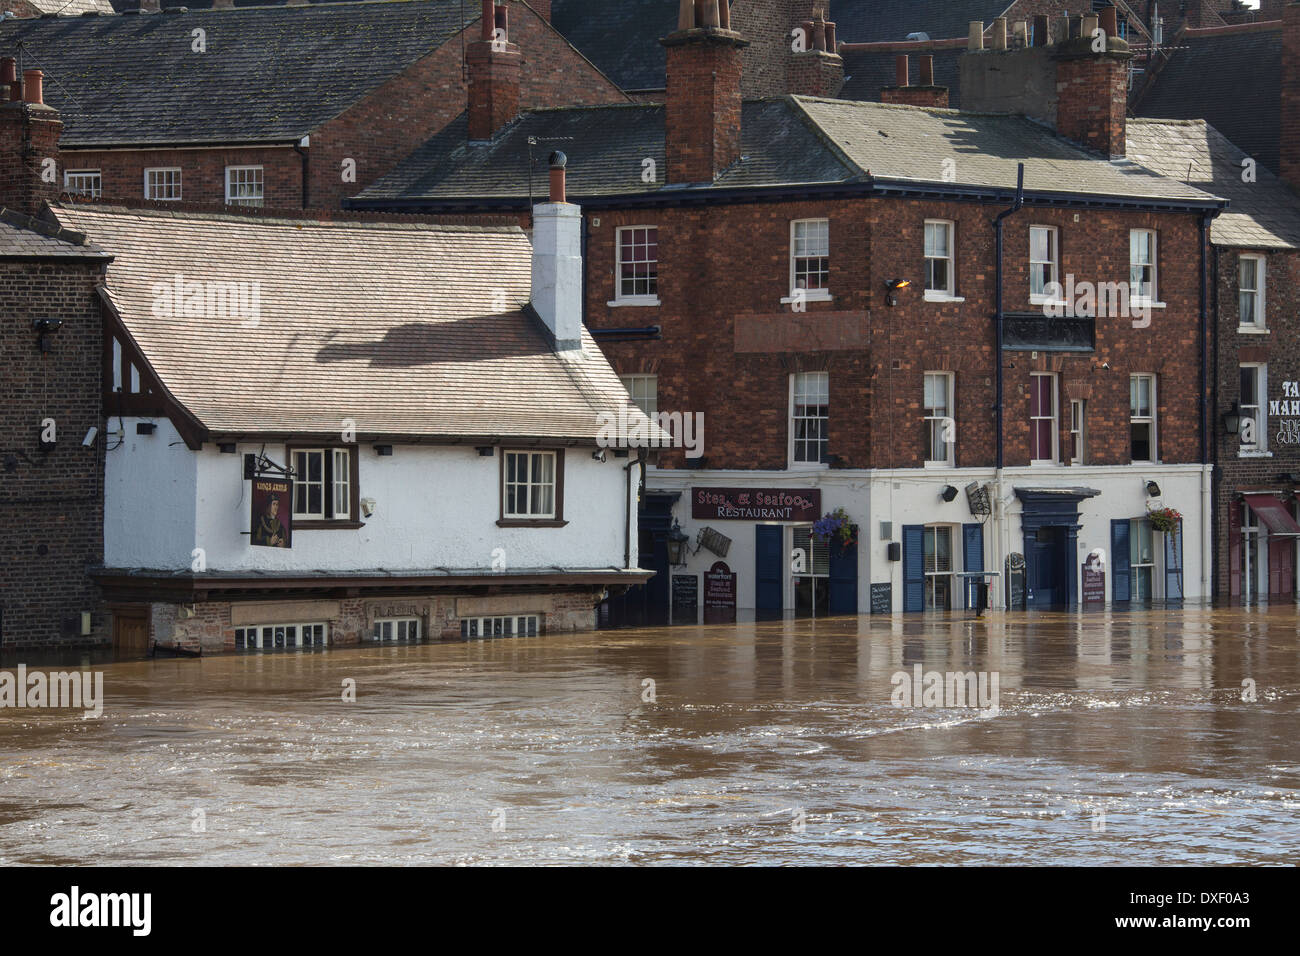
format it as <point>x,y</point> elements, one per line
<point>836,524</point>
<point>1165,520</point>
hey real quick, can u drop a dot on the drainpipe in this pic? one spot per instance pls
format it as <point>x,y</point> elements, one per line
<point>1001,518</point>
<point>1207,532</point>
<point>298,148</point>
<point>639,462</point>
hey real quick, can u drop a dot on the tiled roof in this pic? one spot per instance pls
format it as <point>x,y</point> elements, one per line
<point>270,74</point>
<point>785,141</point>
<point>607,147</point>
<point>866,71</point>
<point>1264,214</point>
<point>910,144</point>
<point>72,8</point>
<point>622,36</point>
<point>1231,78</point>
<point>24,238</point>
<point>399,327</point>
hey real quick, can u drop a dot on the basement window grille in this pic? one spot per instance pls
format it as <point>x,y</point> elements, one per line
<point>519,625</point>
<point>265,637</point>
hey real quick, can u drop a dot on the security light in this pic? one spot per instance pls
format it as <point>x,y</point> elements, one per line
<point>89,440</point>
<point>598,455</point>
<point>43,328</point>
<point>949,493</point>
<point>1153,489</point>
<point>893,285</point>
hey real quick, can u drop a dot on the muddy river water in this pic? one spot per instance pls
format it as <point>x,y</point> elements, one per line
<point>1118,737</point>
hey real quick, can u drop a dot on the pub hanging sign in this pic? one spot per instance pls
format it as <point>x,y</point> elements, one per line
<point>272,512</point>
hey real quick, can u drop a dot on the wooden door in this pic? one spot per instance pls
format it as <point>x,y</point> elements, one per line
<point>131,632</point>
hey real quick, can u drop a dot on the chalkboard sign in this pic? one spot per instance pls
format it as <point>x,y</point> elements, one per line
<point>882,598</point>
<point>686,593</point>
<point>1015,581</point>
<point>1094,585</point>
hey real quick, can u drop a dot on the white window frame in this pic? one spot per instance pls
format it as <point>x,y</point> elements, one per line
<point>532,486</point>
<point>1260,447</point>
<point>1136,419</point>
<point>620,297</point>
<point>817,557</point>
<point>258,200</point>
<point>935,421</point>
<point>149,189</point>
<point>1134,293</point>
<point>949,293</point>
<point>1053,278</point>
<point>94,192</point>
<point>402,630</point>
<point>263,635</point>
<point>1137,528</point>
<point>1055,418</point>
<point>644,392</point>
<point>329,487</point>
<point>794,419</point>
<point>501,625</point>
<point>1257,321</point>
<point>1079,431</point>
<point>932,575</point>
<point>822,294</point>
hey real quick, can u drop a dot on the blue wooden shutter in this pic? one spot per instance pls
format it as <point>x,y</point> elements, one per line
<point>769,567</point>
<point>972,539</point>
<point>913,567</point>
<point>1174,565</point>
<point>1119,566</point>
<point>843,577</point>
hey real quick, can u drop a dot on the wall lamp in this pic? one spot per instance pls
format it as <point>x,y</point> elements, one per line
<point>949,493</point>
<point>1232,419</point>
<point>384,451</point>
<point>598,455</point>
<point>1153,489</point>
<point>893,285</point>
<point>485,451</point>
<point>43,328</point>
<point>226,447</point>
<point>1104,366</point>
<point>678,548</point>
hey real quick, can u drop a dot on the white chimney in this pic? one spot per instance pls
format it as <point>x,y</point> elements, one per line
<point>557,263</point>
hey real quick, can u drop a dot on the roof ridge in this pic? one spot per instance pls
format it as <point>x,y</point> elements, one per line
<point>417,224</point>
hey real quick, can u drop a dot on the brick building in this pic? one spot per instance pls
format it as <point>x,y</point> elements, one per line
<point>51,459</point>
<point>820,279</point>
<point>280,106</point>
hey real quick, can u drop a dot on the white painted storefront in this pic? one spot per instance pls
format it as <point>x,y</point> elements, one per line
<point>911,497</point>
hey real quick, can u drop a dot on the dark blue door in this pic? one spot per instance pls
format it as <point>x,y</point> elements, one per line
<point>972,540</point>
<point>843,578</point>
<point>1046,568</point>
<point>769,576</point>
<point>1119,563</point>
<point>913,567</point>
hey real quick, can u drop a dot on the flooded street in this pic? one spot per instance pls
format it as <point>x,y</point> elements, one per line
<point>1119,738</point>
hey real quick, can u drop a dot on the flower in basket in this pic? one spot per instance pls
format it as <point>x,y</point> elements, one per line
<point>1164,519</point>
<point>835,524</point>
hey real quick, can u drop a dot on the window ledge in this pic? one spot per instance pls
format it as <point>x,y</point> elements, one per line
<point>1146,304</point>
<point>634,300</point>
<point>530,523</point>
<point>807,466</point>
<point>1044,300</point>
<point>317,524</point>
<point>939,465</point>
<point>1254,454</point>
<point>1252,330</point>
<point>1040,463</point>
<point>810,295</point>
<point>942,297</point>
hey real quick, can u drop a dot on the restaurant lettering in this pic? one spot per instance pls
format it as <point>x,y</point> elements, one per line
<point>756,504</point>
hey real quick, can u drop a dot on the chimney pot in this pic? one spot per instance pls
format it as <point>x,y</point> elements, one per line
<point>502,20</point>
<point>151,6</point>
<point>927,70</point>
<point>1020,30</point>
<point>831,45</point>
<point>1000,33</point>
<point>488,19</point>
<point>558,163</point>
<point>1110,22</point>
<point>1042,30</point>
<point>1090,25</point>
<point>724,13</point>
<point>32,92</point>
<point>902,75</point>
<point>976,41</point>
<point>9,85</point>
<point>819,34</point>
<point>686,15</point>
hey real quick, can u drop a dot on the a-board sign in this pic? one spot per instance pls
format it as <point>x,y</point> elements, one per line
<point>882,598</point>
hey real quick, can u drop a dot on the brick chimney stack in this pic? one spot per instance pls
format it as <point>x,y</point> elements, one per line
<point>924,93</point>
<point>29,143</point>
<point>1289,166</point>
<point>1069,78</point>
<point>494,65</point>
<point>817,69</point>
<point>702,108</point>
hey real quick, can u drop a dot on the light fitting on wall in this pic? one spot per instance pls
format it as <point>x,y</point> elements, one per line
<point>598,455</point>
<point>385,451</point>
<point>1153,489</point>
<point>1104,366</point>
<point>893,285</point>
<point>949,493</point>
<point>678,549</point>
<point>1232,419</point>
<point>43,328</point>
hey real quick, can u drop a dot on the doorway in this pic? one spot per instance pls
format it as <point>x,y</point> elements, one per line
<point>131,632</point>
<point>1048,567</point>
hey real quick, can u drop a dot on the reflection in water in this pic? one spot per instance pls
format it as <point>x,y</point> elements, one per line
<point>771,742</point>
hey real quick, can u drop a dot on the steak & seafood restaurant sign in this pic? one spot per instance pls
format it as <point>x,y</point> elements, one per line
<point>756,504</point>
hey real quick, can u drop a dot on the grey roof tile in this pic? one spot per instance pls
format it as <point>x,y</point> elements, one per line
<point>22,237</point>
<point>270,74</point>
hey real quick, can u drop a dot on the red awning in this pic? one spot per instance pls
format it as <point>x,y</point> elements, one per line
<point>1274,514</point>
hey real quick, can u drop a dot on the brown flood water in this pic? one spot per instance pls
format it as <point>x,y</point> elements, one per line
<point>765,743</point>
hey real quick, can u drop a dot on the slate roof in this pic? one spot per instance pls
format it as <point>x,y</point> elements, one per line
<point>22,237</point>
<point>623,38</point>
<point>607,147</point>
<point>866,71</point>
<point>1229,77</point>
<point>392,325</point>
<point>72,8</point>
<point>270,74</point>
<point>1264,214</point>
<point>789,141</point>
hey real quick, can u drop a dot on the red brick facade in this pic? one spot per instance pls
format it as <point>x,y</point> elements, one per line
<point>723,271</point>
<point>30,134</point>
<point>1092,96</point>
<point>702,111</point>
<point>1290,137</point>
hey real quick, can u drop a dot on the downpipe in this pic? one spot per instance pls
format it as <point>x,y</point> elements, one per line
<point>999,519</point>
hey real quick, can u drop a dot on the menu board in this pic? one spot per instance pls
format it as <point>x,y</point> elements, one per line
<point>882,598</point>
